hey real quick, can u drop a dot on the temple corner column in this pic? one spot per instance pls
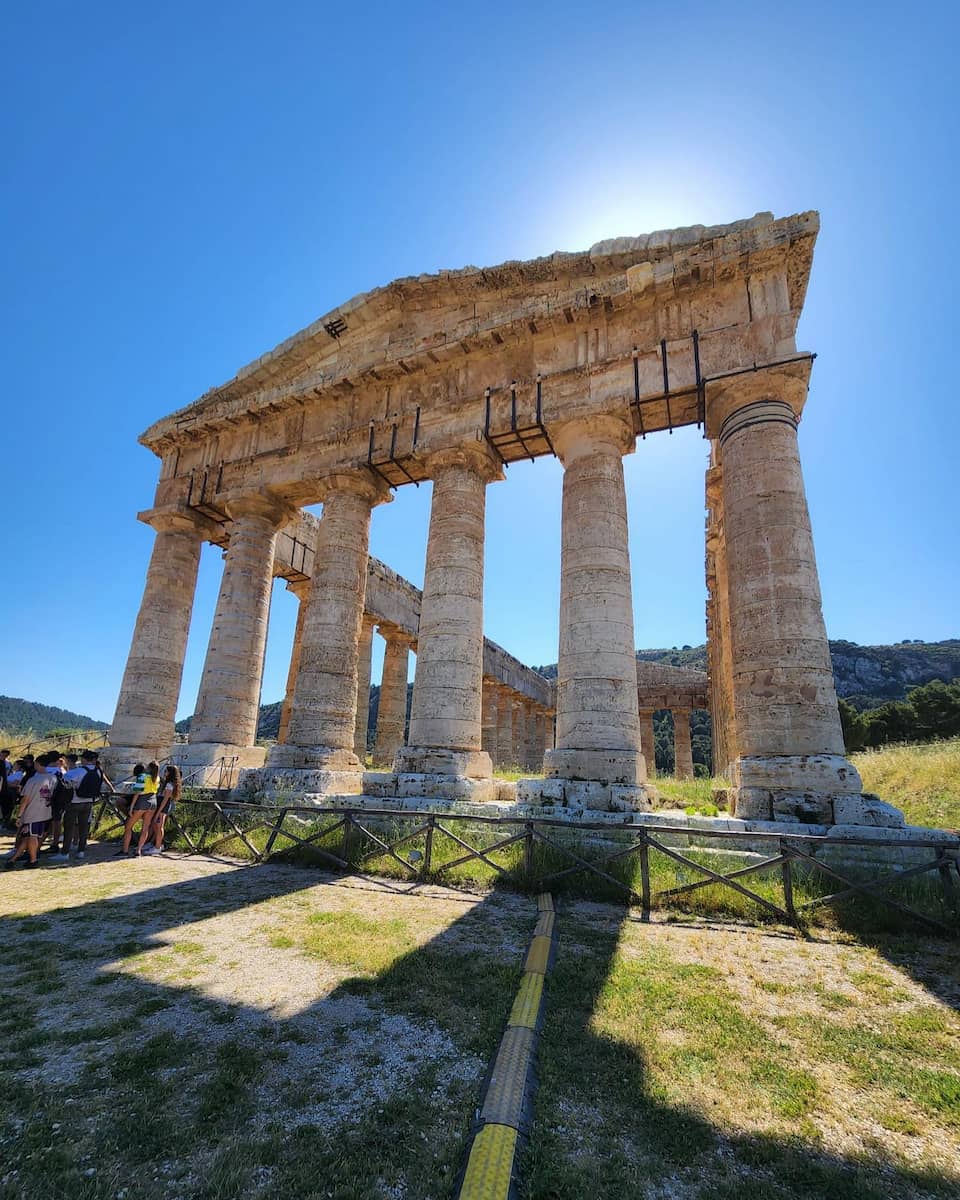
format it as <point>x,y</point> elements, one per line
<point>790,762</point>
<point>143,722</point>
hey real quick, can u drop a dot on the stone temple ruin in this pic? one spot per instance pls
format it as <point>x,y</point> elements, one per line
<point>451,377</point>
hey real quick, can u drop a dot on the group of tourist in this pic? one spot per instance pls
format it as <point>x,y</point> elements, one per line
<point>47,802</point>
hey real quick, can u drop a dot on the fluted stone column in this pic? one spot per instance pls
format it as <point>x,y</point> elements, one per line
<point>598,726</point>
<point>300,590</point>
<point>228,703</point>
<point>446,718</point>
<point>364,656</point>
<point>142,726</point>
<point>648,740</point>
<point>790,751</point>
<point>489,720</point>
<point>392,713</point>
<point>504,727</point>
<point>682,748</point>
<point>319,755</point>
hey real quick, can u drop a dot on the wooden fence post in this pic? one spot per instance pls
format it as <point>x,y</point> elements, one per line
<point>645,874</point>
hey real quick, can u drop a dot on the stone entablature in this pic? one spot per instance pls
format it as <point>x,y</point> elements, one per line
<point>664,686</point>
<point>451,377</point>
<point>423,352</point>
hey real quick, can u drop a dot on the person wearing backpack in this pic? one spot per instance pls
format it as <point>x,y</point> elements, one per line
<point>87,781</point>
<point>55,763</point>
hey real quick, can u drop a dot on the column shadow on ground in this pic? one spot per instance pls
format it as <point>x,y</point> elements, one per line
<point>230,1087</point>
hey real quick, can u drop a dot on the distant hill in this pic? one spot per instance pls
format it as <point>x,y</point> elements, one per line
<point>866,676</point>
<point>27,716</point>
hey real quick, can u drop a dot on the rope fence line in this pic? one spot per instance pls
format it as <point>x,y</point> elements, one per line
<point>366,835</point>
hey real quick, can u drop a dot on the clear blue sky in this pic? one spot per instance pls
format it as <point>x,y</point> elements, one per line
<point>185,185</point>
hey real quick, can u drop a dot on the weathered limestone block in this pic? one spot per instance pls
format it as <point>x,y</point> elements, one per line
<point>808,808</point>
<point>866,810</point>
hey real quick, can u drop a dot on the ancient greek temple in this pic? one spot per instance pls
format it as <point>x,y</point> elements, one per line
<point>451,378</point>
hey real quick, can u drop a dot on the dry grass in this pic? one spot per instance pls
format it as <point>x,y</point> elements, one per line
<point>923,780</point>
<point>700,1062</point>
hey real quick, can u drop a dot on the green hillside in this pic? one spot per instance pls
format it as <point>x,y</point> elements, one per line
<point>27,716</point>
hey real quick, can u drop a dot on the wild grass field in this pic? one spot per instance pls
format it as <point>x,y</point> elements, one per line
<point>182,1029</point>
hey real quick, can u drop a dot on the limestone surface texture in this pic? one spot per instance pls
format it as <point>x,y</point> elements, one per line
<point>449,378</point>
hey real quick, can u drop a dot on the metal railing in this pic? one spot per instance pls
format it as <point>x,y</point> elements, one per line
<point>366,835</point>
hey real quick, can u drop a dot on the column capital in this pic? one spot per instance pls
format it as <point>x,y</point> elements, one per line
<point>394,635</point>
<point>180,519</point>
<point>473,456</point>
<point>299,587</point>
<point>263,505</point>
<point>356,483</point>
<point>585,435</point>
<point>367,622</point>
<point>786,384</point>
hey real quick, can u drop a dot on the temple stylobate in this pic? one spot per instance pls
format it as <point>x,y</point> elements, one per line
<point>451,378</point>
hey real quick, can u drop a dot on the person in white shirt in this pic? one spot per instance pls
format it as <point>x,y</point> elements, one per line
<point>86,781</point>
<point>35,814</point>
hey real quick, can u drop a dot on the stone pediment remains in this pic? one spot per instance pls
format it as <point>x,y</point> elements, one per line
<point>421,353</point>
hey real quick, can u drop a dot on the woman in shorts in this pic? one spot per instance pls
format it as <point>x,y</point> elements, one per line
<point>35,814</point>
<point>168,796</point>
<point>143,807</point>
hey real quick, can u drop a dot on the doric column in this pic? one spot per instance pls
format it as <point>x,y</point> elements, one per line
<point>547,736</point>
<point>229,699</point>
<point>364,655</point>
<point>789,739</point>
<point>648,741</point>
<point>392,713</point>
<point>142,726</point>
<point>320,738</point>
<point>598,727</point>
<point>682,749</point>
<point>519,730</point>
<point>489,720</point>
<point>300,590</point>
<point>532,750</point>
<point>504,727</point>
<point>445,717</point>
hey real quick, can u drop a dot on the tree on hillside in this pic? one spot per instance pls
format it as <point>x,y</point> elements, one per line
<point>937,706</point>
